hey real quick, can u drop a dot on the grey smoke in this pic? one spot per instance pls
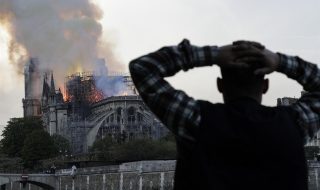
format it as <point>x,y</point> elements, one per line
<point>62,34</point>
<point>109,85</point>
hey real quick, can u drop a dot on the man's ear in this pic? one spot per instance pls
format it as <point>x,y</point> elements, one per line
<point>220,84</point>
<point>265,87</point>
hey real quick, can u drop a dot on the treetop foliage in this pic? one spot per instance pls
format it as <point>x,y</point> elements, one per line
<point>26,138</point>
<point>110,150</point>
<point>16,132</point>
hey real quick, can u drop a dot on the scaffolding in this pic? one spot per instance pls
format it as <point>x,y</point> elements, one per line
<point>81,93</point>
<point>81,88</point>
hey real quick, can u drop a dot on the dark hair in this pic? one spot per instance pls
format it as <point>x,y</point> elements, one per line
<point>241,79</point>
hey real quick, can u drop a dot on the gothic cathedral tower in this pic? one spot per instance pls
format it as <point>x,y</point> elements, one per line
<point>32,79</point>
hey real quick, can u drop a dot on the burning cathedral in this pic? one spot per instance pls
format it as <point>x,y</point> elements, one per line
<point>92,105</point>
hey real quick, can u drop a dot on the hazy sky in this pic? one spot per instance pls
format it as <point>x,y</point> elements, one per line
<point>141,26</point>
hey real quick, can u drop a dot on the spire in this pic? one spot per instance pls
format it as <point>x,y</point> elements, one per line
<point>44,89</point>
<point>60,97</point>
<point>52,87</point>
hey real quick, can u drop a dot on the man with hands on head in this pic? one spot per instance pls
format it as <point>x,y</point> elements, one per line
<point>240,144</point>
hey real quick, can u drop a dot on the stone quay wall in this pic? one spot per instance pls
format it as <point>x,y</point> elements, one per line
<point>142,175</point>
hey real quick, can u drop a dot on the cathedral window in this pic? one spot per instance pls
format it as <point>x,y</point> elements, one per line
<point>111,118</point>
<point>131,136</point>
<point>131,114</point>
<point>139,117</point>
<point>119,110</point>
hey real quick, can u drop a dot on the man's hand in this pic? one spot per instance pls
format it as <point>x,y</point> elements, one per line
<point>248,43</point>
<point>270,62</point>
<point>229,56</point>
<point>266,60</point>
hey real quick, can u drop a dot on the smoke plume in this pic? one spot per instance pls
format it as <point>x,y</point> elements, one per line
<point>65,35</point>
<point>109,85</point>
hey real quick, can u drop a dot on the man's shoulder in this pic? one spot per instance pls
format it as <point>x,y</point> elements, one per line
<point>208,108</point>
<point>280,109</point>
<point>246,109</point>
<point>208,104</point>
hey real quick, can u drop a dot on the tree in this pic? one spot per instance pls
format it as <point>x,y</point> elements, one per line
<point>37,146</point>
<point>16,132</point>
<point>169,137</point>
<point>311,152</point>
<point>61,144</point>
<point>145,149</point>
<point>104,147</point>
<point>12,165</point>
<point>139,149</point>
<point>165,150</point>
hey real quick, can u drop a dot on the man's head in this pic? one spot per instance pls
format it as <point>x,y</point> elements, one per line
<point>243,65</point>
<point>241,82</point>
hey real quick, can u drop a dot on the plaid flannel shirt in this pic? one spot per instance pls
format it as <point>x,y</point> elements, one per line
<point>181,113</point>
<point>308,106</point>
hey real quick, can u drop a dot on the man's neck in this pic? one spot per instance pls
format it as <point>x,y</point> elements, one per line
<point>228,99</point>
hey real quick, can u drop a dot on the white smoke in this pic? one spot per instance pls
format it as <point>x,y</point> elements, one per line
<point>109,85</point>
<point>65,35</point>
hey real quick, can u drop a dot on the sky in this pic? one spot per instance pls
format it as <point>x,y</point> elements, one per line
<point>138,27</point>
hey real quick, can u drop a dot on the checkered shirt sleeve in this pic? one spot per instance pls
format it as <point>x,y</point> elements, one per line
<point>308,106</point>
<point>179,112</point>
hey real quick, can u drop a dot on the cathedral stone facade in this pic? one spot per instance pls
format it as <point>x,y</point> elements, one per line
<point>123,118</point>
<point>31,102</point>
<point>54,109</point>
<point>287,101</point>
<point>82,120</point>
